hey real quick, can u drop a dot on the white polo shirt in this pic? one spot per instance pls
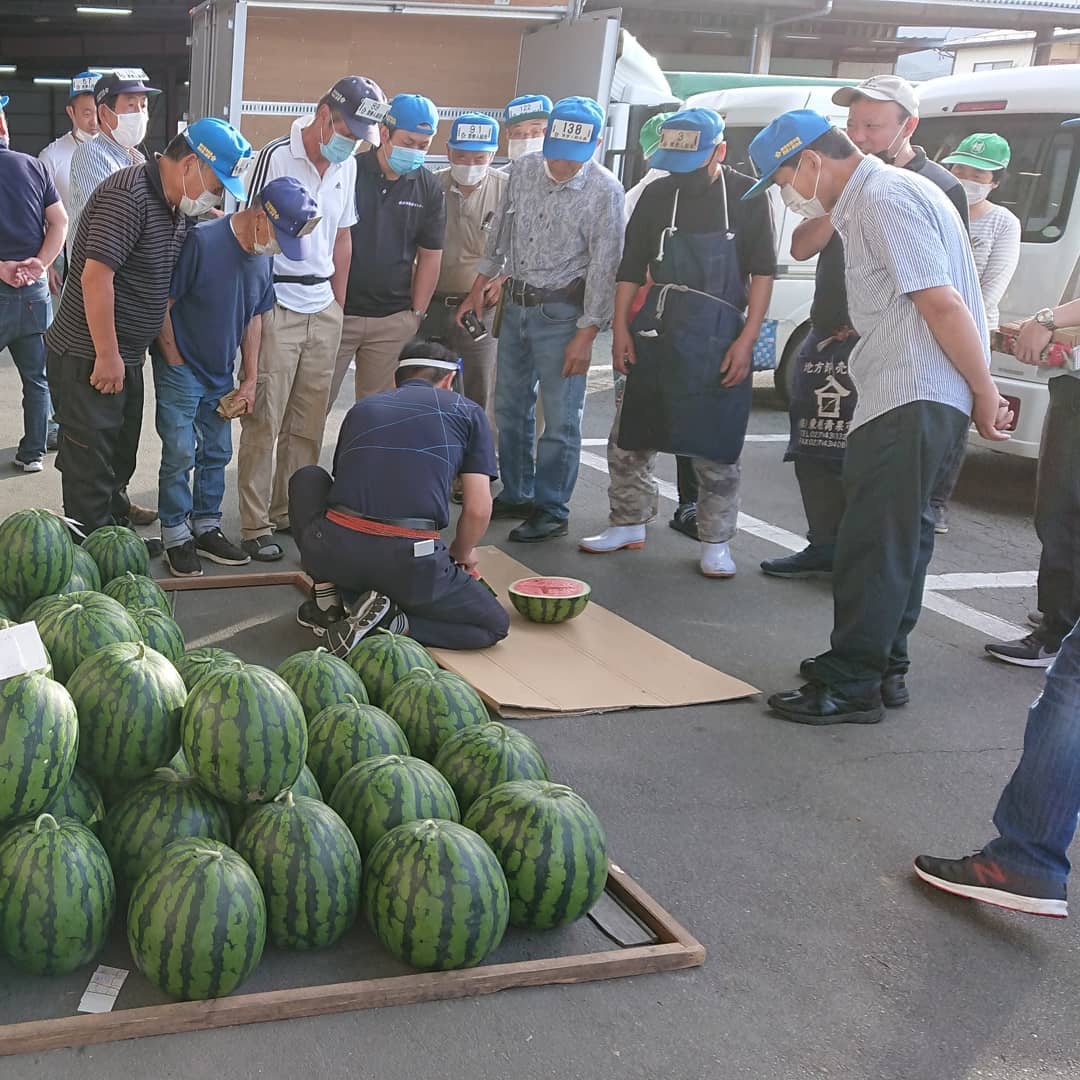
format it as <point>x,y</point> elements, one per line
<point>335,193</point>
<point>56,157</point>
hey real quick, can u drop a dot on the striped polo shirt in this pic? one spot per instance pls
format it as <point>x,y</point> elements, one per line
<point>902,235</point>
<point>130,227</point>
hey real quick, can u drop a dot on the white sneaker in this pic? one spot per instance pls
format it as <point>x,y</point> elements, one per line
<point>29,466</point>
<point>716,561</point>
<point>615,538</point>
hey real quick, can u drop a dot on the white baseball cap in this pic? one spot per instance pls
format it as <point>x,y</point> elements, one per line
<point>880,88</point>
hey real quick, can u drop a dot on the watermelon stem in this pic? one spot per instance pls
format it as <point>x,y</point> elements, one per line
<point>351,698</point>
<point>48,821</point>
<point>211,852</point>
<point>286,797</point>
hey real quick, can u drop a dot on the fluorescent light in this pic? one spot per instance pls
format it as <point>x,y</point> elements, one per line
<point>83,10</point>
<point>705,30</point>
<point>803,37</point>
<point>50,80</point>
<point>7,69</point>
<point>884,41</point>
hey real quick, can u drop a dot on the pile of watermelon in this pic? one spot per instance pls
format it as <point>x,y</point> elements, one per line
<point>219,804</point>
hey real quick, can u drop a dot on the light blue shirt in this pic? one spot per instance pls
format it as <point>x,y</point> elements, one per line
<point>91,163</point>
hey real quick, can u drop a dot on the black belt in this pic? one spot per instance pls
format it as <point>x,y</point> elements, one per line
<point>450,300</point>
<point>426,524</point>
<point>298,279</point>
<point>526,295</point>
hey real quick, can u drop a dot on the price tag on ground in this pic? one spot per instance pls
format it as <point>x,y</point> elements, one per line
<point>102,990</point>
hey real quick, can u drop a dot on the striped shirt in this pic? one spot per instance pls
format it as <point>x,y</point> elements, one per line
<point>995,242</point>
<point>130,227</point>
<point>902,235</point>
<point>90,163</point>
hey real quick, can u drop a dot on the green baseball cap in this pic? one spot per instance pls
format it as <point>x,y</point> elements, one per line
<point>649,136</point>
<point>982,151</point>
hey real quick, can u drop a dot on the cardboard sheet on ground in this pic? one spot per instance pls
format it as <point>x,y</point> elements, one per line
<point>597,662</point>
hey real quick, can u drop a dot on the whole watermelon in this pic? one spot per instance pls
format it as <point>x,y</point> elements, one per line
<point>39,738</point>
<point>161,808</point>
<point>129,699</point>
<point>160,631</point>
<point>432,706</point>
<point>383,792</point>
<point>197,920</point>
<point>80,798</point>
<point>195,663</point>
<point>342,736</point>
<point>244,734</point>
<point>309,867</point>
<point>136,591</point>
<point>80,625</point>
<point>56,895</point>
<point>37,608</point>
<point>36,555</point>
<point>435,896</point>
<point>305,785</point>
<point>10,608</point>
<point>551,847</point>
<point>479,758</point>
<point>117,550</point>
<point>382,658</point>
<point>318,679</point>
<point>85,576</point>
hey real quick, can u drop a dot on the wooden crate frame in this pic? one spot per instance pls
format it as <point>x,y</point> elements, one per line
<point>675,949</point>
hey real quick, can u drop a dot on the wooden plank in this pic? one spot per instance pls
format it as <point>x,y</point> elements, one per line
<point>234,581</point>
<point>656,917</point>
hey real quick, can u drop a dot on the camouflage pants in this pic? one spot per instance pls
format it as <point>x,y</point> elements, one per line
<point>633,492</point>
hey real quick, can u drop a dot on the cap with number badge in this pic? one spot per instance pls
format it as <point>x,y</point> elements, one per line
<point>986,151</point>
<point>687,139</point>
<point>4,101</point>
<point>786,136</point>
<point>83,83</point>
<point>649,136</point>
<point>527,107</point>
<point>362,105</point>
<point>574,130</point>
<point>412,112</point>
<point>224,149</point>
<point>881,88</point>
<point>122,81</point>
<point>294,214</point>
<point>474,132</point>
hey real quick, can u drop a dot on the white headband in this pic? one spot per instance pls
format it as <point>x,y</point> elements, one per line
<point>423,361</point>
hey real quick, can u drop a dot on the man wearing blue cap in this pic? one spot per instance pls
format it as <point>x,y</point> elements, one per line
<point>113,306</point>
<point>558,234</point>
<point>922,373</point>
<point>710,261</point>
<point>82,112</point>
<point>526,119</point>
<point>396,247</point>
<point>284,431</point>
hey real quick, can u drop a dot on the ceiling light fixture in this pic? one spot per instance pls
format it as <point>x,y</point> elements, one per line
<point>7,69</point>
<point>803,37</point>
<point>50,80</point>
<point>84,10</point>
<point>707,30</point>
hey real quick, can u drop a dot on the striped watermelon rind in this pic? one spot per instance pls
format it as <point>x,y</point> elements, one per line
<point>432,706</point>
<point>195,663</point>
<point>57,895</point>
<point>117,550</point>
<point>435,896</point>
<point>309,867</point>
<point>480,758</point>
<point>318,678</point>
<point>136,591</point>
<point>39,739</point>
<point>383,792</point>
<point>197,920</point>
<point>549,599</point>
<point>79,625</point>
<point>343,735</point>
<point>36,555</point>
<point>551,847</point>
<point>85,568</point>
<point>382,659</point>
<point>305,785</point>
<point>80,798</point>
<point>160,631</point>
<point>10,608</point>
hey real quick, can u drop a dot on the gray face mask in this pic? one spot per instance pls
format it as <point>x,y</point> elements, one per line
<point>200,204</point>
<point>270,247</point>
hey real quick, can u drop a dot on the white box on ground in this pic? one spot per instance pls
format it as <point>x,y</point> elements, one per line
<point>21,650</point>
<point>102,990</point>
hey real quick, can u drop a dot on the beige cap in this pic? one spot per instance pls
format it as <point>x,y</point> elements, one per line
<point>880,88</point>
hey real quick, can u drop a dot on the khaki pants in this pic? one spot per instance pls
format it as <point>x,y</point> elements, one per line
<point>296,364</point>
<point>375,345</point>
<point>477,357</point>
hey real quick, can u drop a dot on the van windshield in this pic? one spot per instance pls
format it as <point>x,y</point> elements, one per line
<point>1041,177</point>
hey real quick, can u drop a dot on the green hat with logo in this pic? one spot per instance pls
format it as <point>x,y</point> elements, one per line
<point>649,136</point>
<point>983,151</point>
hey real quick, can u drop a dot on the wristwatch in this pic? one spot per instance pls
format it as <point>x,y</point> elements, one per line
<point>1045,318</point>
<point>422,315</point>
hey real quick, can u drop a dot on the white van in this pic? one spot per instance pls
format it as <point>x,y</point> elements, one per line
<point>1026,106</point>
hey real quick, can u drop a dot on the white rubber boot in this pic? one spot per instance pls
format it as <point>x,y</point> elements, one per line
<point>716,561</point>
<point>614,538</point>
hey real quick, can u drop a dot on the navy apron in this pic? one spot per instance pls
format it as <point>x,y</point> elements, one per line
<point>693,312</point>
<point>822,397</point>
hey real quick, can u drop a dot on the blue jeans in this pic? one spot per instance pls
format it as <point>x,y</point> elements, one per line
<point>532,341</point>
<point>24,317</point>
<point>1036,814</point>
<point>193,436</point>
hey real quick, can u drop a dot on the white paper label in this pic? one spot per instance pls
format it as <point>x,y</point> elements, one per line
<point>572,131</point>
<point>102,990</point>
<point>525,107</point>
<point>242,165</point>
<point>21,650</point>
<point>482,133</point>
<point>679,139</point>
<point>131,75</point>
<point>370,109</point>
<point>422,548</point>
<point>83,86</point>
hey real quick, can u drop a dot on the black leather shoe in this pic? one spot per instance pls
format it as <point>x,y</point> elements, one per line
<point>500,508</point>
<point>894,690</point>
<point>818,705</point>
<point>684,520</point>
<point>540,526</point>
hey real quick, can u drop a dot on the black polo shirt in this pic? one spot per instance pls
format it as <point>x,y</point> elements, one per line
<point>394,218</point>
<point>25,191</point>
<point>129,226</point>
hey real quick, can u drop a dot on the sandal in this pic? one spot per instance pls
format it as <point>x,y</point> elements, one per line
<point>263,549</point>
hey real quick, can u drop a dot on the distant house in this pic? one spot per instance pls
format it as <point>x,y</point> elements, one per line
<point>1009,49</point>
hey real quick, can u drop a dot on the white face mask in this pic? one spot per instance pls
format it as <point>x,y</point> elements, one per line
<point>516,148</point>
<point>975,191</point>
<point>207,200</point>
<point>887,154</point>
<point>82,136</point>
<point>130,128</point>
<point>808,208</point>
<point>468,175</point>
<point>270,247</point>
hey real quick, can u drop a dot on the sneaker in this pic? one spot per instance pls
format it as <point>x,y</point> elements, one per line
<point>614,538</point>
<point>30,466</point>
<point>183,560</point>
<point>941,519</point>
<point>217,547</point>
<point>141,515</point>
<point>978,877</point>
<point>809,563</point>
<point>716,561</point>
<point>316,619</point>
<point>374,611</point>
<point>684,520</point>
<point>1031,651</point>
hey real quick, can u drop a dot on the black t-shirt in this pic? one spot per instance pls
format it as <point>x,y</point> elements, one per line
<point>701,210</point>
<point>398,452</point>
<point>394,218</point>
<point>829,310</point>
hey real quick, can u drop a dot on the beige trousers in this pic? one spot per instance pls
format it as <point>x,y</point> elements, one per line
<point>296,364</point>
<point>375,345</point>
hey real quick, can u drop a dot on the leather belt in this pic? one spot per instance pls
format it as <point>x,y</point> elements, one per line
<point>526,295</point>
<point>299,279</point>
<point>449,300</point>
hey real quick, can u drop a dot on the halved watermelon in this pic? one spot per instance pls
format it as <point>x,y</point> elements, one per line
<point>550,599</point>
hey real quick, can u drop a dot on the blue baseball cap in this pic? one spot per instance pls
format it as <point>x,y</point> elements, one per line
<point>83,83</point>
<point>785,137</point>
<point>527,107</point>
<point>294,213</point>
<point>224,149</point>
<point>574,129</point>
<point>412,112</point>
<point>687,139</point>
<point>3,101</point>
<point>122,81</point>
<point>474,131</point>
<point>362,105</point>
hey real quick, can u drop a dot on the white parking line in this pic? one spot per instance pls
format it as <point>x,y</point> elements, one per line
<point>763,438</point>
<point>952,609</point>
